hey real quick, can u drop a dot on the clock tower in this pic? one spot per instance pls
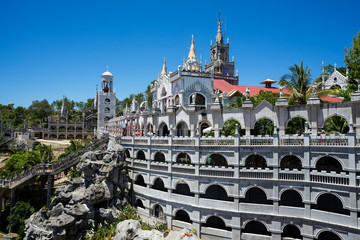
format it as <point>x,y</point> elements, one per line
<point>220,63</point>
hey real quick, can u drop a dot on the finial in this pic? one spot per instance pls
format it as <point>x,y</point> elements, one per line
<point>335,66</point>
<point>237,72</point>
<point>210,42</point>
<point>96,87</point>
<point>227,40</point>
<point>219,16</point>
<point>192,37</point>
<point>107,68</point>
<point>233,58</point>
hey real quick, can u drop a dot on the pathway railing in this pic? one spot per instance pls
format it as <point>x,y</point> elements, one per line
<point>49,169</point>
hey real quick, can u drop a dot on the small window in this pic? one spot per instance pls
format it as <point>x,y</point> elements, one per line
<point>107,101</point>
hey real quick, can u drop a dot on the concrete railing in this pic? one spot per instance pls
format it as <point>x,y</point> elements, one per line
<point>276,140</point>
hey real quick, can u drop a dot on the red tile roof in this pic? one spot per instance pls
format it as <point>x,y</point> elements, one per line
<point>331,99</point>
<point>226,87</point>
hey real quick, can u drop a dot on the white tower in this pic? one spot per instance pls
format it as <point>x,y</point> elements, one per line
<point>106,102</point>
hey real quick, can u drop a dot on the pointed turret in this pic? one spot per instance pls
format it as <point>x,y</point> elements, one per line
<point>192,63</point>
<point>219,36</point>
<point>164,69</point>
<point>192,52</point>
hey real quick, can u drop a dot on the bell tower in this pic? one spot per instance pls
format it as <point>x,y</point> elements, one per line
<point>220,62</point>
<point>106,101</point>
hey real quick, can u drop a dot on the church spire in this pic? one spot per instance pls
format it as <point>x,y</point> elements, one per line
<point>192,52</point>
<point>164,69</point>
<point>219,36</point>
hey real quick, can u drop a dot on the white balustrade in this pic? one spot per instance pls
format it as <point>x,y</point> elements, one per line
<point>332,140</point>
<point>294,140</point>
<point>210,141</point>
<point>331,178</point>
<point>294,175</point>
<point>181,168</point>
<point>216,171</point>
<point>258,173</point>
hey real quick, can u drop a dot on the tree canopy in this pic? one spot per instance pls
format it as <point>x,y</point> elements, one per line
<point>297,81</point>
<point>352,58</point>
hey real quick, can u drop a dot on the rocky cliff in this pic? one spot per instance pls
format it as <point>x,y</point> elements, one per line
<point>93,198</point>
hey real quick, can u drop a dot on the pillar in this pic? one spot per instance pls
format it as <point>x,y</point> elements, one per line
<point>12,202</point>
<point>49,187</point>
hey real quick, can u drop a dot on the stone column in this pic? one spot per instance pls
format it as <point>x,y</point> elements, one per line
<point>12,202</point>
<point>49,187</point>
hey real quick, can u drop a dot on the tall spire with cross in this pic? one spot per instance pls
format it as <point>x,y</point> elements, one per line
<point>219,36</point>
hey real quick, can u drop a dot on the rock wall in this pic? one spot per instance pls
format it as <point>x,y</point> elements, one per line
<point>95,197</point>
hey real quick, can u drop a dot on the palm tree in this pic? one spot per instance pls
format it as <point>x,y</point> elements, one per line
<point>336,124</point>
<point>297,81</point>
<point>45,153</point>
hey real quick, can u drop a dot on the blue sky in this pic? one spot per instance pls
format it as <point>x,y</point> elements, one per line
<point>53,48</point>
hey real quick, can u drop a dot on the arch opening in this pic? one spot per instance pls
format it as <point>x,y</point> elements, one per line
<point>216,192</point>
<point>216,222</point>
<point>229,128</point>
<point>216,159</point>
<point>255,161</point>
<point>291,231</point>
<point>182,130</point>
<point>158,212</point>
<point>330,203</point>
<point>139,204</point>
<point>290,162</point>
<point>256,227</point>
<point>183,158</point>
<point>140,155</point>
<point>140,181</point>
<point>336,124</point>
<point>127,153</point>
<point>328,164</point>
<point>263,127</point>
<point>295,126</point>
<point>256,195</point>
<point>291,198</point>
<point>183,216</point>
<point>159,185</point>
<point>327,235</point>
<point>183,189</point>
<point>159,157</point>
<point>163,130</point>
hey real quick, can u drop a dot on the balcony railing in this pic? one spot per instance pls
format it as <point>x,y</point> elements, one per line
<point>276,140</point>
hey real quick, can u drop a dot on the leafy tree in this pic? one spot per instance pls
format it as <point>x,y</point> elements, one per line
<point>269,96</point>
<point>20,212</point>
<point>237,103</point>
<point>352,58</point>
<point>230,127</point>
<point>336,124</point>
<point>21,161</point>
<point>263,127</point>
<point>295,126</point>
<point>39,111</point>
<point>297,81</point>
